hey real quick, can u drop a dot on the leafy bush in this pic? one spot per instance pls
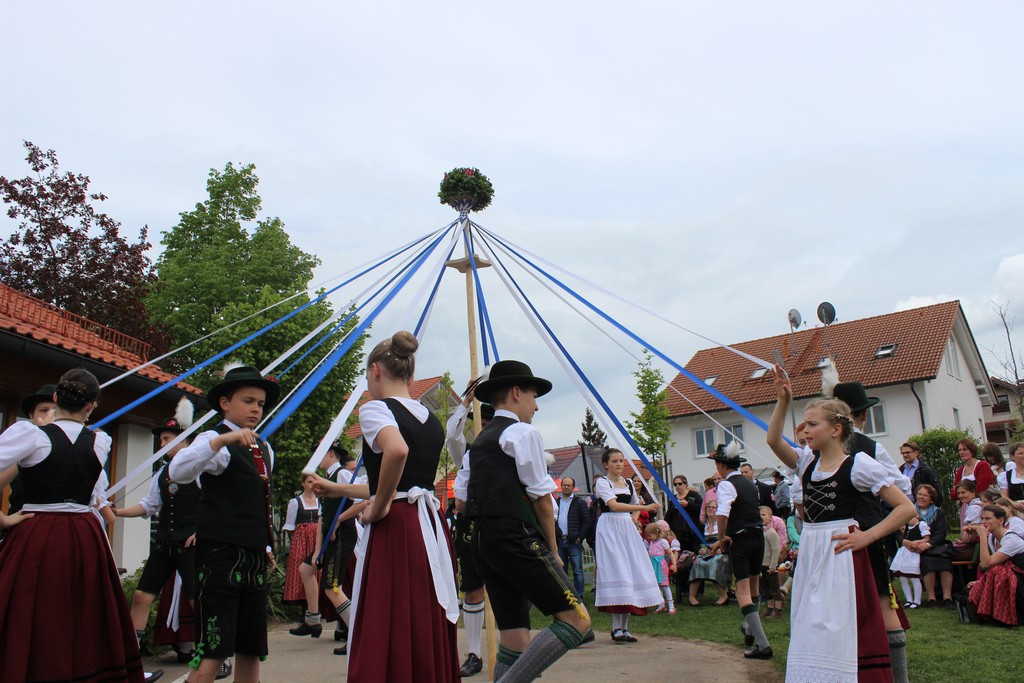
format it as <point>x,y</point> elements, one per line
<point>938,449</point>
<point>466,189</point>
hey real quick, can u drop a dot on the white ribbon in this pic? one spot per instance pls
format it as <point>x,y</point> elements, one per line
<point>437,549</point>
<point>174,613</point>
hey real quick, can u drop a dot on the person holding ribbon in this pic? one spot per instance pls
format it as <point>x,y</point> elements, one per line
<point>405,604</point>
<point>234,537</point>
<point>58,581</point>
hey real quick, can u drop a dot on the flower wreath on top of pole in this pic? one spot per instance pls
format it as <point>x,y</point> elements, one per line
<point>465,190</point>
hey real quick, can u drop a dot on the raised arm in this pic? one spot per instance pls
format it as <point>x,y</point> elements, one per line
<point>784,391</point>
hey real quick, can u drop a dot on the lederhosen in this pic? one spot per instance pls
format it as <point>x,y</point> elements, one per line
<point>469,575</point>
<point>509,545</point>
<point>745,528</point>
<point>869,513</point>
<point>234,532</point>
<point>338,551</point>
<point>176,521</point>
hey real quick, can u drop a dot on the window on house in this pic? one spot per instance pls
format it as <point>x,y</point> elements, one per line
<point>956,418</point>
<point>875,422</point>
<point>1002,404</point>
<point>759,373</point>
<point>735,432</point>
<point>711,380</point>
<point>885,351</point>
<point>952,359</point>
<point>704,439</point>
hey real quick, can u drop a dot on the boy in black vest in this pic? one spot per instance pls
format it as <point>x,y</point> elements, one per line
<point>234,536</point>
<point>741,535</point>
<point>513,543</point>
<point>869,513</point>
<point>172,548</point>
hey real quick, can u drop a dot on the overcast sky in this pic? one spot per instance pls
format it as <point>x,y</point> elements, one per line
<point>718,162</point>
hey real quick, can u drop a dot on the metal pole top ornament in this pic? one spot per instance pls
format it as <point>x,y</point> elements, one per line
<point>465,190</point>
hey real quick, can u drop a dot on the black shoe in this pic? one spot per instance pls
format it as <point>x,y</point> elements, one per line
<point>948,603</point>
<point>628,637</point>
<point>306,629</point>
<point>343,650</point>
<point>186,657</point>
<point>154,675</point>
<point>931,603</point>
<point>225,669</point>
<point>340,635</point>
<point>617,636</point>
<point>748,639</point>
<point>588,637</point>
<point>757,653</point>
<point>472,666</point>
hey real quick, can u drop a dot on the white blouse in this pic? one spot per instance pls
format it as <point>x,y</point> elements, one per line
<point>867,474</point>
<point>375,416</point>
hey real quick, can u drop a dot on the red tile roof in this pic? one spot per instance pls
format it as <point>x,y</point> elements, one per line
<point>43,322</point>
<point>416,391</point>
<point>563,458</point>
<point>920,336</point>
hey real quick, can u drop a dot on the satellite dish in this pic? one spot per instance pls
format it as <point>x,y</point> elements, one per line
<point>826,313</point>
<point>794,318</point>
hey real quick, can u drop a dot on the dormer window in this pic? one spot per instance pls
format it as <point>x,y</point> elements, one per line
<point>885,351</point>
<point>759,373</point>
<point>711,380</point>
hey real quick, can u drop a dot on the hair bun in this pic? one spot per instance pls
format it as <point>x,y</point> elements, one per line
<point>404,344</point>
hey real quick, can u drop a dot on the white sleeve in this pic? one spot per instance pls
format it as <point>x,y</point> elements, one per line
<point>973,514</point>
<point>1011,545</point>
<point>151,503</point>
<point>373,417</point>
<point>796,491</point>
<point>603,489</point>
<point>197,458</point>
<point>804,458</point>
<point>291,515</point>
<point>524,443</point>
<point>98,489</point>
<point>898,478</point>
<point>460,488</point>
<point>23,444</point>
<point>1002,479</point>
<point>455,434</point>
<point>726,495</point>
<point>868,474</point>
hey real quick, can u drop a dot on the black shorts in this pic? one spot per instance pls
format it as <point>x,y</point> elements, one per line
<point>469,577</point>
<point>231,600</point>
<point>880,562</point>
<point>165,558</point>
<point>518,570</point>
<point>336,555</point>
<point>746,553</point>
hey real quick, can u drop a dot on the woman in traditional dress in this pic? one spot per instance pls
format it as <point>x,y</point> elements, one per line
<point>405,603</point>
<point>708,566</point>
<point>999,595</point>
<point>62,609</point>
<point>837,629</point>
<point>936,552</point>
<point>1011,482</point>
<point>300,522</point>
<point>973,469</point>
<point>625,579</point>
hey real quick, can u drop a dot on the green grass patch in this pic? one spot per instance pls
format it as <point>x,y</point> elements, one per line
<point>939,647</point>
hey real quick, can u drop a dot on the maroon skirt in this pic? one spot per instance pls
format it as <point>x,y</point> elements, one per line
<point>62,609</point>
<point>162,633</point>
<point>873,664</point>
<point>303,544</point>
<point>401,634</point>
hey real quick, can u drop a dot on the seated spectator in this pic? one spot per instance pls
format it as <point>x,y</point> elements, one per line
<point>936,552</point>
<point>992,454</point>
<point>710,494</point>
<point>709,567</point>
<point>970,516</point>
<point>977,471</point>
<point>1011,482</point>
<point>999,595</point>
<point>1013,521</point>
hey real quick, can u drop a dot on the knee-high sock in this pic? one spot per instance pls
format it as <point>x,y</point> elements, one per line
<point>907,593</point>
<point>473,616</point>
<point>917,588</point>
<point>503,661</point>
<point>752,621</point>
<point>618,622</point>
<point>666,592</point>
<point>898,655</point>
<point>343,610</point>
<point>543,651</point>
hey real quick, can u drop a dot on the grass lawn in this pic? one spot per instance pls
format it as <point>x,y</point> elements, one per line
<point>939,647</point>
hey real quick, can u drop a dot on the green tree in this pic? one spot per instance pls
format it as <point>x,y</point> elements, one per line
<point>938,449</point>
<point>650,428</point>
<point>214,271</point>
<point>446,464</point>
<point>592,434</point>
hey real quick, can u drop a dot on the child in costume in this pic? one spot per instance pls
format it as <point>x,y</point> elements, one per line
<point>907,563</point>
<point>659,550</point>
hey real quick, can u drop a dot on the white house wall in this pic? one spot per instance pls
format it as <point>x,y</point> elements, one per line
<point>947,391</point>
<point>131,536</point>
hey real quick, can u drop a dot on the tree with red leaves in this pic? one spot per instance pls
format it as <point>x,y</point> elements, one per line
<point>66,253</point>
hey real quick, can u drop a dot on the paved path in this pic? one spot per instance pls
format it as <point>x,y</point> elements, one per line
<point>305,660</point>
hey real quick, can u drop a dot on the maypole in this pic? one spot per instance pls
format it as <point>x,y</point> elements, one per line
<point>465,190</point>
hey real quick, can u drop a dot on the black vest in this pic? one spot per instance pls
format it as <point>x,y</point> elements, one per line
<point>494,487</point>
<point>304,516</point>
<point>745,512</point>
<point>234,506</point>
<point>1013,491</point>
<point>329,506</point>
<point>625,498</point>
<point>67,475</point>
<point>424,440</point>
<point>869,509</point>
<point>830,499</point>
<point>179,508</point>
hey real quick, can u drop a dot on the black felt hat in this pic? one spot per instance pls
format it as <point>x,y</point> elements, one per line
<point>854,395</point>
<point>243,376</point>
<point>510,373</point>
<point>486,412</point>
<point>169,425</point>
<point>727,455</point>
<point>45,393</point>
